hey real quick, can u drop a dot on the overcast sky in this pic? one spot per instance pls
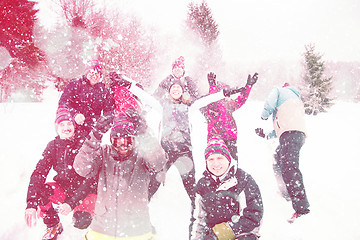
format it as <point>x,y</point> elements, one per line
<point>261,30</point>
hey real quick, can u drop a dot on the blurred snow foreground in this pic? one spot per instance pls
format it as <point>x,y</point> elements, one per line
<point>329,162</point>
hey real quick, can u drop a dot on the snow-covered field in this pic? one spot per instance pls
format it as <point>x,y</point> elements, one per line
<point>329,163</point>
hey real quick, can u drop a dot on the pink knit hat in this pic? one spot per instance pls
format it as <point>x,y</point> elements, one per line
<point>63,114</point>
<point>217,145</point>
<point>180,61</point>
<point>93,64</point>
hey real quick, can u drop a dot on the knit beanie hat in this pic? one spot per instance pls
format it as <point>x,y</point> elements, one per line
<point>180,61</point>
<point>63,114</point>
<point>122,127</point>
<point>286,85</point>
<point>217,145</point>
<point>93,64</point>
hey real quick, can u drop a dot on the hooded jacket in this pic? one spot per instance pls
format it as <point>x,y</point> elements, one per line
<point>219,114</point>
<point>223,201</point>
<point>287,110</point>
<point>59,155</point>
<point>122,208</point>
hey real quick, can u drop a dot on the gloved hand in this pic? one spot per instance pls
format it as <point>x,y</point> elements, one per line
<point>260,132</point>
<point>119,79</point>
<point>230,91</point>
<point>138,120</point>
<point>211,78</point>
<point>252,80</point>
<point>102,125</point>
<point>223,231</point>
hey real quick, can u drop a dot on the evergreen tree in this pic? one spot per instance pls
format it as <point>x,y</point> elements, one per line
<point>204,31</point>
<point>17,20</point>
<point>317,88</point>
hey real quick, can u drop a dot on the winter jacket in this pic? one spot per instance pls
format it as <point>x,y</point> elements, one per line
<point>123,100</point>
<point>287,109</point>
<point>175,125</point>
<point>188,84</point>
<point>59,155</point>
<point>122,208</point>
<point>91,101</point>
<point>235,199</point>
<point>219,114</point>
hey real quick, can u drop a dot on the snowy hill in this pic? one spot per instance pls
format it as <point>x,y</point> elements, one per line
<point>329,163</point>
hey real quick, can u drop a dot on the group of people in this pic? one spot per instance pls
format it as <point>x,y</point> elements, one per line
<point>108,186</point>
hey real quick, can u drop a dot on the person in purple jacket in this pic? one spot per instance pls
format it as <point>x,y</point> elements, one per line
<point>88,99</point>
<point>219,114</point>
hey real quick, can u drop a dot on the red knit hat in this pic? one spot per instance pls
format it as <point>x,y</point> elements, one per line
<point>93,64</point>
<point>180,61</point>
<point>122,127</point>
<point>63,114</point>
<point>217,145</point>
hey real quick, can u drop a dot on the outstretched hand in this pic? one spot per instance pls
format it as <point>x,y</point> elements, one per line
<point>260,132</point>
<point>211,78</point>
<point>252,80</point>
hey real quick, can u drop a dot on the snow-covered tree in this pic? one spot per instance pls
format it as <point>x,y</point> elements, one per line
<point>17,20</point>
<point>316,87</point>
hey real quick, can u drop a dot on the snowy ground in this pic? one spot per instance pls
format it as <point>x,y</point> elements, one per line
<point>329,163</point>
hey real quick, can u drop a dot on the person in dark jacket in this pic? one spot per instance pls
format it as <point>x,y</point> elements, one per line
<point>69,190</point>
<point>88,99</point>
<point>288,115</point>
<point>191,91</point>
<point>228,202</point>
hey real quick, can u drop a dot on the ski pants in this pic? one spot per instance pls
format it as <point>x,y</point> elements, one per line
<point>287,160</point>
<point>82,215</point>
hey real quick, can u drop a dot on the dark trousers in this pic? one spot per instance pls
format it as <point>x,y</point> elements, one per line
<point>287,160</point>
<point>185,164</point>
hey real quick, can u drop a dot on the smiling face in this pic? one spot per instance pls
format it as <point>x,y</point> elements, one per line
<point>123,145</point>
<point>217,164</point>
<point>176,91</point>
<point>178,71</point>
<point>65,129</point>
<point>93,76</point>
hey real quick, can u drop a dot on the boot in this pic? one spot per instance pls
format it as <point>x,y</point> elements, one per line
<point>53,232</point>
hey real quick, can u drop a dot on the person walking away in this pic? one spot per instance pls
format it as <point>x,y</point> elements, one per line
<point>287,110</point>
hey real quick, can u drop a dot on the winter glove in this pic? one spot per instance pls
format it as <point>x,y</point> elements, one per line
<point>252,80</point>
<point>223,231</point>
<point>138,120</point>
<point>102,125</point>
<point>119,79</point>
<point>211,78</point>
<point>260,132</point>
<point>230,91</point>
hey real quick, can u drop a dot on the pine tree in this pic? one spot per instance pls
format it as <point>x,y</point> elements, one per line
<point>17,20</point>
<point>317,88</point>
<point>205,32</point>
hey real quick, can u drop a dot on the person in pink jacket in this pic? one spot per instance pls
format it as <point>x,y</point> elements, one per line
<point>219,114</point>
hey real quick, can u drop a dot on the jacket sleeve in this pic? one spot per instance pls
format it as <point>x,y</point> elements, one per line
<point>88,161</point>
<point>199,227</point>
<point>109,104</point>
<point>253,212</point>
<point>242,98</point>
<point>206,100</point>
<point>80,194</point>
<point>67,98</point>
<point>146,98</point>
<point>193,89</point>
<point>38,177</point>
<point>270,104</point>
<point>162,88</point>
<point>148,147</point>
